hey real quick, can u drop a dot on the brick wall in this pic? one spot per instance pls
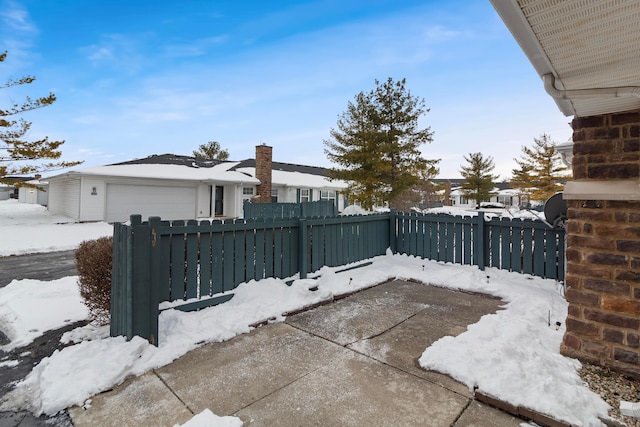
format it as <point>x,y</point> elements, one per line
<point>263,173</point>
<point>603,247</point>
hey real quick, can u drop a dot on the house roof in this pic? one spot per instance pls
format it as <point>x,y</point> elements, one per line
<point>187,168</point>
<point>586,51</point>
<point>173,159</point>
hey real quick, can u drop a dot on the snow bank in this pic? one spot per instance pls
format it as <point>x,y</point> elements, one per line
<point>207,418</point>
<point>29,308</point>
<point>513,354</point>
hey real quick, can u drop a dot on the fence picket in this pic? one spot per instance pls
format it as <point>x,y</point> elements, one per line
<point>538,252</point>
<point>217,267</point>
<point>191,262</point>
<point>239,251</point>
<point>250,252</point>
<point>260,254</point>
<point>177,263</point>
<point>228,240</point>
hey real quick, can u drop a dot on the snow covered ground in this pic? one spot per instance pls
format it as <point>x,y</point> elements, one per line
<point>512,354</point>
<point>28,228</point>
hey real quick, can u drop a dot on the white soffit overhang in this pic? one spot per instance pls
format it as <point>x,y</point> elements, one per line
<point>586,45</point>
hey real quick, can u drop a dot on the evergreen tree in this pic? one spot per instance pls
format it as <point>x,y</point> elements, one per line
<point>211,150</point>
<point>479,181</point>
<point>19,155</point>
<point>540,171</point>
<point>376,145</point>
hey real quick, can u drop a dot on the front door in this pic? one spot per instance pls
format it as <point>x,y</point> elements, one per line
<point>219,197</point>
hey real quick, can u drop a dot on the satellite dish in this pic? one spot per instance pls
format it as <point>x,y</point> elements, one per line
<point>555,210</point>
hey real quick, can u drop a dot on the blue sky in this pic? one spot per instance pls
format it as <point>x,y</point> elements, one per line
<point>135,78</point>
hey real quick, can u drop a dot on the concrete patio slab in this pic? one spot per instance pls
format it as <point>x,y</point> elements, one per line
<point>349,363</point>
<point>481,415</point>
<point>353,390</point>
<point>403,345</point>
<point>362,315</point>
<point>143,401</point>
<point>226,377</point>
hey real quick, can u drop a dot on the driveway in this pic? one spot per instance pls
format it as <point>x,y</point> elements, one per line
<point>43,266</point>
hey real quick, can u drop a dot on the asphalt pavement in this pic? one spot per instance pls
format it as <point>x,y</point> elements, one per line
<point>42,266</point>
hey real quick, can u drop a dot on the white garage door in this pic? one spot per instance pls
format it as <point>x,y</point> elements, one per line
<point>149,200</point>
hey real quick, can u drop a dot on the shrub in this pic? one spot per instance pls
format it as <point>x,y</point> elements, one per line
<point>93,262</point>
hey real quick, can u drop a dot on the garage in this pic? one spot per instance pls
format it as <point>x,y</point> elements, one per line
<point>149,200</point>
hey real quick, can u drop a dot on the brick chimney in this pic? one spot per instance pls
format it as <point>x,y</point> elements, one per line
<point>263,172</point>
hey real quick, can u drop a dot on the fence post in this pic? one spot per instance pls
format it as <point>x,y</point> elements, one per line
<point>479,241</point>
<point>121,281</point>
<point>303,253</point>
<point>392,230</point>
<point>142,304</point>
<point>154,280</point>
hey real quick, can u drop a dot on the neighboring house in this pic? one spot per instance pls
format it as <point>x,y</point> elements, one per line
<point>6,191</point>
<point>501,194</point>
<point>181,187</point>
<point>34,195</point>
<point>587,54</point>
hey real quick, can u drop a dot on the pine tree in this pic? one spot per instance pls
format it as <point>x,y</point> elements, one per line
<point>540,173</point>
<point>376,145</point>
<point>211,150</point>
<point>479,181</point>
<point>18,155</point>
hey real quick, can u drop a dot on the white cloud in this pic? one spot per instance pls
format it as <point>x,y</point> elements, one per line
<point>17,18</point>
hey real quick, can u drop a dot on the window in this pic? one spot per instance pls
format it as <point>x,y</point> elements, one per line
<point>274,195</point>
<point>304,195</point>
<point>327,195</point>
<point>247,191</point>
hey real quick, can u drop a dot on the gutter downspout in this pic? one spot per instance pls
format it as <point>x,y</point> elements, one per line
<point>613,92</point>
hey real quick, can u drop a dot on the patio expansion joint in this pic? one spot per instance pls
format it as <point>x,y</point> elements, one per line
<point>346,346</point>
<point>173,392</point>
<point>277,390</point>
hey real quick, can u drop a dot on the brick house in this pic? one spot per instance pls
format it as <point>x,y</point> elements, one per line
<point>587,53</point>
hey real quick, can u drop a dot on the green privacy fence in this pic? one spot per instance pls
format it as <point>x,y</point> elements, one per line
<point>520,245</point>
<point>200,262</point>
<point>319,208</point>
<point>195,264</point>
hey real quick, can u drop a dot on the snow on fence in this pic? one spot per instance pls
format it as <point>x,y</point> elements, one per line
<point>319,208</point>
<point>192,264</point>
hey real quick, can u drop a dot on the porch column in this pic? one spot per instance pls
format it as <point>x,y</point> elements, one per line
<point>603,242</point>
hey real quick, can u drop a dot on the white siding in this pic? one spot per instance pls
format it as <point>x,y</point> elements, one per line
<point>204,201</point>
<point>5,192</point>
<point>64,197</point>
<point>232,201</point>
<point>92,200</point>
<point>167,202</point>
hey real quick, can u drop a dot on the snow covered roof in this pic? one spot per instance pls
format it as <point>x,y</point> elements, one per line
<point>298,179</point>
<point>217,173</point>
<point>186,168</point>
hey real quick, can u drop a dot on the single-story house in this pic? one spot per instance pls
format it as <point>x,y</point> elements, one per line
<point>182,187</point>
<point>34,195</point>
<point>501,194</point>
<point>6,191</point>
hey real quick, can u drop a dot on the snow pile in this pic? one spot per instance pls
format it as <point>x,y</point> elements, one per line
<point>28,228</point>
<point>28,308</point>
<point>513,354</point>
<point>355,210</point>
<point>207,418</point>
